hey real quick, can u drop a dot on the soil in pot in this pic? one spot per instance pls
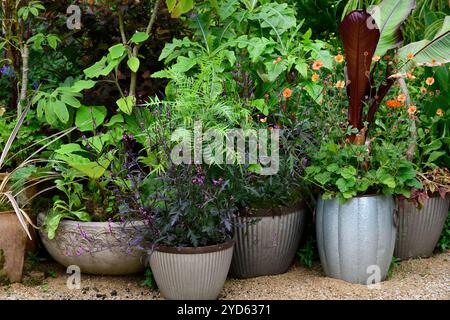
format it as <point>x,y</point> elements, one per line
<point>267,241</point>
<point>191,273</point>
<point>356,239</point>
<point>96,247</point>
<point>419,229</point>
<point>13,242</point>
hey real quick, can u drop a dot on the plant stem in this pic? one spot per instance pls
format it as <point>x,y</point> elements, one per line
<point>135,52</point>
<point>24,84</point>
<point>412,146</point>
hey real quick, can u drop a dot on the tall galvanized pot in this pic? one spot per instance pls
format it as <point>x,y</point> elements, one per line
<point>267,241</point>
<point>191,273</point>
<point>356,239</point>
<point>419,229</point>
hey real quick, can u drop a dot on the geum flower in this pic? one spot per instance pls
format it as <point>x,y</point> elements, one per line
<point>393,104</point>
<point>317,65</point>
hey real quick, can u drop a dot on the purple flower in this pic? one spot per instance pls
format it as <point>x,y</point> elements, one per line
<point>6,70</point>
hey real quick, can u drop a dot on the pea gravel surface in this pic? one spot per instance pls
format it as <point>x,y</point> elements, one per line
<point>413,279</point>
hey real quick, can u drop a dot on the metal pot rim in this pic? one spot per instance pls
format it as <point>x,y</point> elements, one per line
<point>195,250</point>
<point>271,212</point>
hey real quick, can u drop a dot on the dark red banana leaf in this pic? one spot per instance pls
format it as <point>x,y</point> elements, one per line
<point>360,43</point>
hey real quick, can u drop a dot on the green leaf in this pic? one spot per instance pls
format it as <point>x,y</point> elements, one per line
<point>139,37</point>
<point>389,16</point>
<point>435,155</point>
<point>348,172</point>
<point>302,67</point>
<point>117,51</point>
<point>179,7</point>
<point>427,53</point>
<point>126,105</point>
<point>53,41</point>
<point>82,85</point>
<point>342,185</point>
<point>133,64</point>
<point>70,100</point>
<point>69,148</point>
<point>333,167</point>
<point>115,119</point>
<point>60,109</point>
<point>89,118</point>
<point>261,105</point>
<point>323,178</point>
<point>274,70</point>
<point>95,70</point>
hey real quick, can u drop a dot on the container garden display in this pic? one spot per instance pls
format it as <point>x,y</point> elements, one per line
<point>267,241</point>
<point>16,233</point>
<point>362,164</point>
<point>96,247</point>
<point>270,223</point>
<point>354,236</point>
<point>85,227</point>
<point>422,217</point>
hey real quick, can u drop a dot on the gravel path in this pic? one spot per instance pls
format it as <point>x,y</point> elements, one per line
<point>414,279</point>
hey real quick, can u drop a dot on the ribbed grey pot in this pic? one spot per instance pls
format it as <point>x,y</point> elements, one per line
<point>100,248</point>
<point>191,273</point>
<point>267,241</point>
<point>419,229</point>
<point>356,239</point>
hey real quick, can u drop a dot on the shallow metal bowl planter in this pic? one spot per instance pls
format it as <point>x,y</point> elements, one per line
<point>191,273</point>
<point>96,247</point>
<point>356,239</point>
<point>267,241</point>
<point>419,229</point>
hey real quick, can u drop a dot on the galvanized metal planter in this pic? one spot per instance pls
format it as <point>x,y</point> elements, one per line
<point>96,247</point>
<point>419,229</point>
<point>267,241</point>
<point>356,240</point>
<point>191,273</point>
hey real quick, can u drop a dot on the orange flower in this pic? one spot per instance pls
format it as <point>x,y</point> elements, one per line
<point>423,90</point>
<point>287,93</point>
<point>433,61</point>
<point>387,57</point>
<point>376,58</point>
<point>263,120</point>
<point>410,76</point>
<point>439,112</point>
<point>339,58</point>
<point>410,56</point>
<point>315,77</point>
<point>389,115</point>
<point>317,65</point>
<point>340,84</point>
<point>401,98</point>
<point>393,104</point>
<point>412,109</point>
<point>429,81</point>
<point>277,60</point>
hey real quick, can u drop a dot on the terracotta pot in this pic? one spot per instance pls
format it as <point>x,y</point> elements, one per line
<point>96,247</point>
<point>13,242</point>
<point>31,192</point>
<point>419,229</point>
<point>191,273</point>
<point>267,241</point>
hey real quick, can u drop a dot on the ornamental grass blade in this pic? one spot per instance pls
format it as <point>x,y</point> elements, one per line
<point>360,42</point>
<point>18,212</point>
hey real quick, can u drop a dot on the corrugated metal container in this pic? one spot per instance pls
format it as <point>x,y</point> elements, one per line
<point>191,273</point>
<point>356,237</point>
<point>267,241</point>
<point>419,229</point>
